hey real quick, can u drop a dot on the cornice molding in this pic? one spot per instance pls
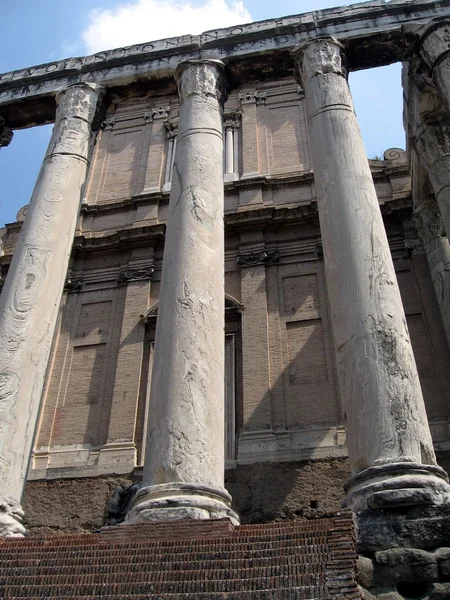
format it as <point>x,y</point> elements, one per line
<point>372,32</point>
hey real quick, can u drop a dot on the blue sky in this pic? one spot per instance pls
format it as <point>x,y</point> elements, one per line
<point>39,31</point>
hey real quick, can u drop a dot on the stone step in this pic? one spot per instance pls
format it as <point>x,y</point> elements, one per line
<point>62,590</point>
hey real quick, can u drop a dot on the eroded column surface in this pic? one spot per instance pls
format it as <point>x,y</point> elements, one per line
<point>435,52</point>
<point>184,460</point>
<point>32,292</point>
<point>389,442</point>
<point>429,224</point>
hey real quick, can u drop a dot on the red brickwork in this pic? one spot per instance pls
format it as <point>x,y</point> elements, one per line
<point>296,560</point>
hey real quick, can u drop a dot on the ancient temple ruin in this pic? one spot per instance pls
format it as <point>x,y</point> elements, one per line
<point>216,298</point>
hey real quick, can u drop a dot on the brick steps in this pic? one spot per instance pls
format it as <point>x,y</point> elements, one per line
<point>145,575</point>
<point>155,588</point>
<point>233,540</point>
<point>256,550</point>
<point>303,560</point>
<point>163,566</point>
<point>292,593</point>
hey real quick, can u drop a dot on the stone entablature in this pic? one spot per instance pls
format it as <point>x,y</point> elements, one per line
<point>373,34</point>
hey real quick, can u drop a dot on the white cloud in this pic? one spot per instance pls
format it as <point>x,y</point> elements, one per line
<point>147,20</point>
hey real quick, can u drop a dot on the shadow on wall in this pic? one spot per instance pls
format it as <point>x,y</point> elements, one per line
<point>303,397</point>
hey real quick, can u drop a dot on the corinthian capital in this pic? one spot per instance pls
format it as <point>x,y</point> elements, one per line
<point>320,56</point>
<point>428,220</point>
<point>434,41</point>
<point>79,100</point>
<point>202,78</point>
<point>433,141</point>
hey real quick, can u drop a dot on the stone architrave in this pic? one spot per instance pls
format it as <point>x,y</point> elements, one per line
<point>32,292</point>
<point>184,461</point>
<point>389,441</point>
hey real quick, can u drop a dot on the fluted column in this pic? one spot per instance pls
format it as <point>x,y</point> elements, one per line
<point>184,461</point>
<point>389,441</point>
<point>32,292</point>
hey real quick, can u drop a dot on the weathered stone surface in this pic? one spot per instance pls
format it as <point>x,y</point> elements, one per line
<point>388,437</point>
<point>55,507</point>
<point>185,437</point>
<point>6,134</point>
<point>404,565</point>
<point>415,527</point>
<point>261,493</point>
<point>439,591</point>
<point>30,298</point>
<point>365,571</point>
<point>373,33</point>
<point>266,492</point>
<point>443,560</point>
<point>428,221</point>
<point>435,51</point>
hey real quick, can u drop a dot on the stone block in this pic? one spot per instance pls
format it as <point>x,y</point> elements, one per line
<point>404,565</point>
<point>365,571</point>
<point>440,591</point>
<point>443,560</point>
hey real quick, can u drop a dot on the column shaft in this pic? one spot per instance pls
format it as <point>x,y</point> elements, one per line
<point>435,51</point>
<point>32,292</point>
<point>429,224</point>
<point>184,462</point>
<point>169,159</point>
<point>389,442</point>
<point>229,162</point>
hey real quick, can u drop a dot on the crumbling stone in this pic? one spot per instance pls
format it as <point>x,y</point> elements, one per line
<point>443,560</point>
<point>404,564</point>
<point>365,571</point>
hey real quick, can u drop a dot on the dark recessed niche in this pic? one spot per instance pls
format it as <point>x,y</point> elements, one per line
<point>412,590</point>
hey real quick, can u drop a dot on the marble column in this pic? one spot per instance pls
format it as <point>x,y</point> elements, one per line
<point>434,50</point>
<point>429,224</point>
<point>32,292</point>
<point>184,461</point>
<point>389,441</point>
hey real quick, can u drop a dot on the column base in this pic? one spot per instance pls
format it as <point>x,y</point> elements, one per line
<point>395,485</point>
<point>11,518</point>
<point>175,501</point>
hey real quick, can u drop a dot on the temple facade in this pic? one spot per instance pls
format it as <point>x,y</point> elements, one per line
<point>215,295</point>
